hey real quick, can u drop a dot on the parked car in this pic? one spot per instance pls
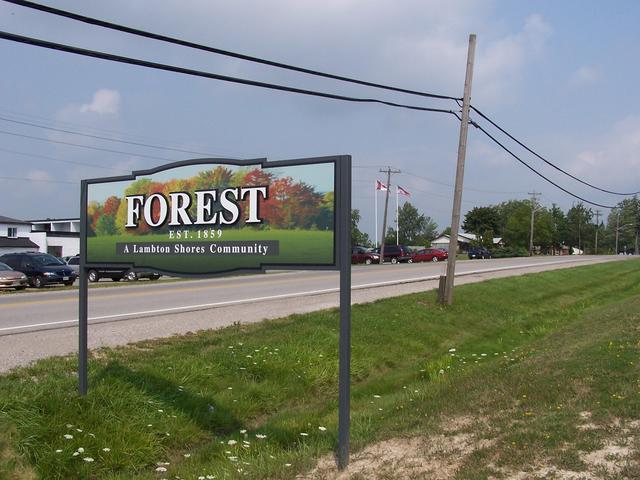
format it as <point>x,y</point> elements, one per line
<point>40,268</point>
<point>430,255</point>
<point>10,278</point>
<point>397,253</point>
<point>117,274</point>
<point>479,252</point>
<point>73,262</point>
<point>364,255</point>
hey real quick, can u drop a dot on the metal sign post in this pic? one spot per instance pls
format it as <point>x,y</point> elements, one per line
<point>181,229</point>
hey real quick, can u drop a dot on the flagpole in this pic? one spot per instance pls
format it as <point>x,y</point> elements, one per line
<point>397,220</point>
<point>375,201</point>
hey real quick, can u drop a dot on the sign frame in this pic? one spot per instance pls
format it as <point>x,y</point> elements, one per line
<point>341,262</point>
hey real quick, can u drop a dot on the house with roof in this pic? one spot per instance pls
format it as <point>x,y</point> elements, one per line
<point>14,236</point>
<point>57,236</point>
<point>464,242</point>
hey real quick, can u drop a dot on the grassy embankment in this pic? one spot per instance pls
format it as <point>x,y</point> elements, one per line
<point>533,355</point>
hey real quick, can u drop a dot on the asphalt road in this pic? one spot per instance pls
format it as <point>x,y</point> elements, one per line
<point>31,322</point>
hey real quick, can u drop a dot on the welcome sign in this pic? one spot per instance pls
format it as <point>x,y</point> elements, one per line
<point>211,216</point>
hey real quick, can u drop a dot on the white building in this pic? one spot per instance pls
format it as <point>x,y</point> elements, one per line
<point>464,240</point>
<point>57,236</point>
<point>14,236</point>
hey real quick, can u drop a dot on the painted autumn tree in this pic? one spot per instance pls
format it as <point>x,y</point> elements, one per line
<point>290,204</point>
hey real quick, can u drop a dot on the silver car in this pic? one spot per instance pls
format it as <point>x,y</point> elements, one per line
<point>10,278</point>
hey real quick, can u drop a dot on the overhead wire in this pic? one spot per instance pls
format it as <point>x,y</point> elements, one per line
<point>213,76</point>
<point>100,137</point>
<point>53,159</point>
<point>90,147</point>
<point>40,180</point>
<point>218,51</point>
<point>551,164</point>
<point>495,140</point>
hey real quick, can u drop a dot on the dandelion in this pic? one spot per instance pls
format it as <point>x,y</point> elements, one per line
<point>231,442</point>
<point>67,436</point>
<point>161,469</point>
<point>80,450</point>
<point>88,459</point>
<point>322,429</point>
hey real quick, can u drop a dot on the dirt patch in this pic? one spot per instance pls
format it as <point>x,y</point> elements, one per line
<point>437,457</point>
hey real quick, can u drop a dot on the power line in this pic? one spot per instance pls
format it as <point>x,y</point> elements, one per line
<point>40,180</point>
<point>214,76</point>
<point>99,137</point>
<point>102,131</point>
<point>72,162</point>
<point>534,170</point>
<point>551,164</point>
<point>466,188</point>
<point>218,51</point>
<point>141,155</point>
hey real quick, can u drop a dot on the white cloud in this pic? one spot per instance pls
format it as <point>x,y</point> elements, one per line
<point>585,76</point>
<point>104,101</point>
<point>615,162</point>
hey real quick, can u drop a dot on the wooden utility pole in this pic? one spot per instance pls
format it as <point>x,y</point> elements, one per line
<point>534,207</point>
<point>597,228</point>
<point>617,230</point>
<point>457,194</point>
<point>388,171</point>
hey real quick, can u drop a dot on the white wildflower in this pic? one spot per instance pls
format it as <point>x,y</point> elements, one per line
<point>88,459</point>
<point>231,442</point>
<point>322,429</point>
<point>161,469</point>
<point>67,436</point>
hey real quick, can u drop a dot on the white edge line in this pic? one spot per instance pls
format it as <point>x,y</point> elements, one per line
<point>285,295</point>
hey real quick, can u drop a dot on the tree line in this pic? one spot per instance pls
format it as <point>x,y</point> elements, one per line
<point>553,228</point>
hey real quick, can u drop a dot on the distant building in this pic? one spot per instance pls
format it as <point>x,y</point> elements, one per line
<point>464,241</point>
<point>14,236</point>
<point>57,236</point>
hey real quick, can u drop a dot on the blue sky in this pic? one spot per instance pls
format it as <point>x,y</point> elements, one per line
<point>559,75</point>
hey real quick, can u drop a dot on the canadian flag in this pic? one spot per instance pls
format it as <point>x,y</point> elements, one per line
<point>380,186</point>
<point>402,191</point>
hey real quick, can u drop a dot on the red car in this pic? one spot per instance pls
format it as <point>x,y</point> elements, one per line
<point>430,255</point>
<point>364,255</point>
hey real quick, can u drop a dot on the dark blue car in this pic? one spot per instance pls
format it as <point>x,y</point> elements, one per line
<point>40,268</point>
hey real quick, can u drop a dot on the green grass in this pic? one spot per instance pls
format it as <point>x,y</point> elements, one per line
<point>531,353</point>
<point>303,247</point>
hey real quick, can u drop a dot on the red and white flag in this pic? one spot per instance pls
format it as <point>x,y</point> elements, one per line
<point>381,186</point>
<point>402,191</point>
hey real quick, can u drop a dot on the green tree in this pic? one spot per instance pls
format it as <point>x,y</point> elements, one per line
<point>580,230</point>
<point>484,222</point>
<point>518,228</point>
<point>358,237</point>
<point>415,227</point>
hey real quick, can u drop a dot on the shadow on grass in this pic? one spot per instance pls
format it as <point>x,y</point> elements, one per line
<point>202,410</point>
